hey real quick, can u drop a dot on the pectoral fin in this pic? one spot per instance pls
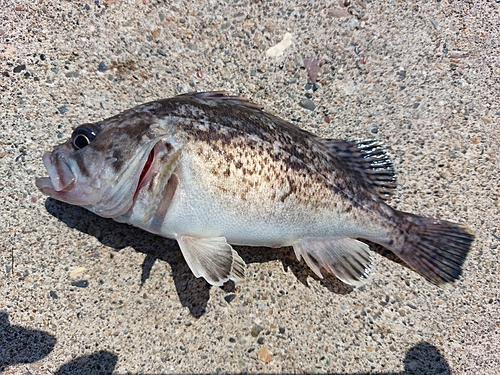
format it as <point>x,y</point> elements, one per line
<point>345,257</point>
<point>212,258</point>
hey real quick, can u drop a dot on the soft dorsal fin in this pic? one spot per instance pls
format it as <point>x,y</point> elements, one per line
<point>370,159</point>
<point>222,97</point>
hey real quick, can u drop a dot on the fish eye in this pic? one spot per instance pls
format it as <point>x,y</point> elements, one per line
<point>82,136</point>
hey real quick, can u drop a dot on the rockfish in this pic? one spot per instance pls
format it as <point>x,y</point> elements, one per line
<point>211,171</point>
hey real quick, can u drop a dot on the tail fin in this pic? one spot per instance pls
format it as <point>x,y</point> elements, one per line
<point>436,249</point>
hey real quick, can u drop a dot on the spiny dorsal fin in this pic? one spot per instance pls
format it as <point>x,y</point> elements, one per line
<point>221,97</point>
<point>370,159</point>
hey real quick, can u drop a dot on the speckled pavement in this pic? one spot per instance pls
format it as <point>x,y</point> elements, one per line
<point>84,295</point>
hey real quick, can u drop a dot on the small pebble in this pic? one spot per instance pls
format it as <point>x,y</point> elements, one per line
<point>42,57</point>
<point>86,7</point>
<point>282,330</point>
<point>161,52</point>
<point>62,109</point>
<point>256,329</point>
<point>19,68</point>
<point>53,295</point>
<point>264,354</point>
<point>307,104</point>
<point>374,130</point>
<point>80,283</point>
<point>353,23</point>
<point>230,297</point>
<point>411,306</point>
<point>416,105</point>
<point>260,340</point>
<point>102,67</point>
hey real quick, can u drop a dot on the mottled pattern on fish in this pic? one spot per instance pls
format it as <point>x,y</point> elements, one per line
<point>209,170</point>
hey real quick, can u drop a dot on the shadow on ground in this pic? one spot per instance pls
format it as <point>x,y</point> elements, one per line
<point>422,359</point>
<point>21,345</point>
<point>193,292</point>
<point>102,363</point>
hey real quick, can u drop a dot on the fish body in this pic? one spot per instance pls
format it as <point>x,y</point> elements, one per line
<point>211,170</point>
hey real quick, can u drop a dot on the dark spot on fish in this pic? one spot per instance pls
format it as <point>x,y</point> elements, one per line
<point>292,188</point>
<point>118,163</point>
<point>80,160</point>
<point>238,164</point>
<point>167,195</point>
<point>227,173</point>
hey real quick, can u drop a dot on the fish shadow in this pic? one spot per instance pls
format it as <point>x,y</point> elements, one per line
<point>20,345</point>
<point>193,292</point>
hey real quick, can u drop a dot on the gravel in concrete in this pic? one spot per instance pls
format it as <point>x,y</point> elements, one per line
<point>81,294</point>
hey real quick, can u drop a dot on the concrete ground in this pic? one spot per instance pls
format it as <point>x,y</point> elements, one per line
<point>80,294</point>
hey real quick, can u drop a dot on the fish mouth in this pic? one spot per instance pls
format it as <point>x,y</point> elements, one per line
<point>45,185</point>
<point>61,179</point>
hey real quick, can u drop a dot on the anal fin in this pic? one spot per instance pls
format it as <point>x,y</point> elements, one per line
<point>348,259</point>
<point>212,258</point>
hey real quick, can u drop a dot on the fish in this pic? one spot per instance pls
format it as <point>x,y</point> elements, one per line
<point>212,170</point>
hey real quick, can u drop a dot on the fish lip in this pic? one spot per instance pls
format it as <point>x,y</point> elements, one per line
<point>60,174</point>
<point>45,185</point>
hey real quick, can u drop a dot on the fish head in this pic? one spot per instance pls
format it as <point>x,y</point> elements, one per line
<point>103,165</point>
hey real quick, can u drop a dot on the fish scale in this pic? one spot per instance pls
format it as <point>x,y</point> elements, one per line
<point>212,170</point>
